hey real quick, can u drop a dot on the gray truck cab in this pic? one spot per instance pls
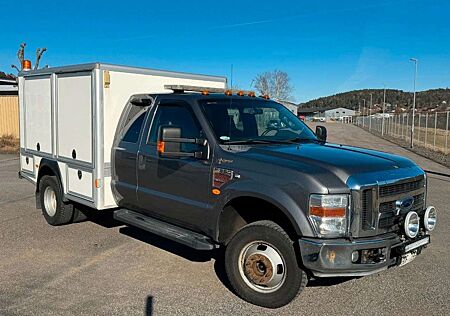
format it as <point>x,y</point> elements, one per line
<point>242,173</point>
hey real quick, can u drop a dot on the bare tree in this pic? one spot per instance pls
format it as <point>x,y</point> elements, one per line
<point>21,57</point>
<point>39,53</point>
<point>275,83</point>
<point>262,83</point>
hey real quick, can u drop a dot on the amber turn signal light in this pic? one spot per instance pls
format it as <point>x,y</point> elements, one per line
<point>228,92</point>
<point>160,147</point>
<point>327,211</point>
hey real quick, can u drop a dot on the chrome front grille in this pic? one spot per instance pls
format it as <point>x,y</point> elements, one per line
<point>378,205</point>
<point>394,189</point>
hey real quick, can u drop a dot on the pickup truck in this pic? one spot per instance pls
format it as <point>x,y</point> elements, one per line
<point>232,171</point>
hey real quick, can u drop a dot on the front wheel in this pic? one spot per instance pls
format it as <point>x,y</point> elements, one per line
<point>262,267</point>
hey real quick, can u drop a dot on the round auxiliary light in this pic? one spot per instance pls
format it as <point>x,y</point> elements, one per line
<point>429,219</point>
<point>412,224</point>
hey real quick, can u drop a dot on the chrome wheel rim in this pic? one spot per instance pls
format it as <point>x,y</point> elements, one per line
<point>262,267</point>
<point>50,201</point>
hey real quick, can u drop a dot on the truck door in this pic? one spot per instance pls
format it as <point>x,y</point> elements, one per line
<point>174,189</point>
<point>125,152</point>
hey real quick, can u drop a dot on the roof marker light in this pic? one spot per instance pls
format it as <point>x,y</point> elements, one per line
<point>240,93</point>
<point>228,92</point>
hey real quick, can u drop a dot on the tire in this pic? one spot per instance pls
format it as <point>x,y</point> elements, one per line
<point>250,258</point>
<point>55,211</point>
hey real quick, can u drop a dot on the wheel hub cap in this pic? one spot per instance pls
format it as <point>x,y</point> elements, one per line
<point>50,201</point>
<point>262,267</point>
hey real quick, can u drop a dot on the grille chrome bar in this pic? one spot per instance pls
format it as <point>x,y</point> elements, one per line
<point>377,204</point>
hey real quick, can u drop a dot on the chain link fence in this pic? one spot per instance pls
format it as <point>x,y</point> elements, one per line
<point>431,130</point>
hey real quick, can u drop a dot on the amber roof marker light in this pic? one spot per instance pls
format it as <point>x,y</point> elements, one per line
<point>240,93</point>
<point>228,92</point>
<point>26,65</point>
<point>251,94</point>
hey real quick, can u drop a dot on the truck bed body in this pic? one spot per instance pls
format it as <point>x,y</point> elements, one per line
<point>69,115</point>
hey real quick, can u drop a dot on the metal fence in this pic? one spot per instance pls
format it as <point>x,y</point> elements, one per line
<point>431,130</point>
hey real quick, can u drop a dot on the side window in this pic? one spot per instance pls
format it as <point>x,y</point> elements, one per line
<point>132,134</point>
<point>177,114</point>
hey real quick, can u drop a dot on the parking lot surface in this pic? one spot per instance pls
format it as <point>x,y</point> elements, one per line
<point>100,267</point>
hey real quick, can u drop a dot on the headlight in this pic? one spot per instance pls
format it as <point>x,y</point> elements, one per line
<point>429,219</point>
<point>412,224</point>
<point>328,214</point>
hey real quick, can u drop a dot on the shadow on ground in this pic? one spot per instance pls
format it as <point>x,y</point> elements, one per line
<point>107,220</point>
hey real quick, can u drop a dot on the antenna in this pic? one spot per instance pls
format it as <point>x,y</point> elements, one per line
<point>231,76</point>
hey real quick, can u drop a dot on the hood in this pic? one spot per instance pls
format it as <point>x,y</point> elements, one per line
<point>342,161</point>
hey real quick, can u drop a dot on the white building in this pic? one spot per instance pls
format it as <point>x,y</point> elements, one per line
<point>338,113</point>
<point>289,105</point>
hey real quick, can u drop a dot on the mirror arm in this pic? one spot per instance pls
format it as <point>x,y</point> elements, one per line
<point>197,154</point>
<point>198,141</point>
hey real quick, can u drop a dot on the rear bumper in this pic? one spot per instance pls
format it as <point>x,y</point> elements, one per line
<point>333,257</point>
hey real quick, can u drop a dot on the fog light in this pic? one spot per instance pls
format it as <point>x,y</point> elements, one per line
<point>355,256</point>
<point>429,219</point>
<point>412,224</point>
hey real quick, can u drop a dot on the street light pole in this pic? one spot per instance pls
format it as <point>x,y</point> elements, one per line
<point>384,104</point>
<point>370,113</point>
<point>414,100</point>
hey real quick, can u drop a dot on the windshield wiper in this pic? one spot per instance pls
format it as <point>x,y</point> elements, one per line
<point>248,141</point>
<point>299,140</point>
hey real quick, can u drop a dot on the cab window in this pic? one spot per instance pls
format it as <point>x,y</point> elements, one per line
<point>177,114</point>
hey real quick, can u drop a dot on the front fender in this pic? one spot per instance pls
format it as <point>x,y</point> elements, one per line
<point>271,194</point>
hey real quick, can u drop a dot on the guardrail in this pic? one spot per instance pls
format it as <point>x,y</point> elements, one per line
<point>431,129</point>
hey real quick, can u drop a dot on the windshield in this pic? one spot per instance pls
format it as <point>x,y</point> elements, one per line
<point>254,121</point>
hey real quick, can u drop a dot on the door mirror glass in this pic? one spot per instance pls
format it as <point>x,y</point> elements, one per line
<point>170,140</point>
<point>321,133</point>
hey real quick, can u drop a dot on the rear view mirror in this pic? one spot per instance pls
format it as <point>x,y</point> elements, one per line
<point>321,133</point>
<point>170,140</point>
<point>168,133</point>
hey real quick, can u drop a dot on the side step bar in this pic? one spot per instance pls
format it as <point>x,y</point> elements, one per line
<point>169,231</point>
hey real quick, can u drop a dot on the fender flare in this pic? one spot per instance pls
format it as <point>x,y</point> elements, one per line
<point>53,166</point>
<point>271,194</point>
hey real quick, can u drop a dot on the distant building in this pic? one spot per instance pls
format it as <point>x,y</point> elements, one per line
<point>9,107</point>
<point>330,113</point>
<point>337,113</point>
<point>290,105</point>
<point>8,87</point>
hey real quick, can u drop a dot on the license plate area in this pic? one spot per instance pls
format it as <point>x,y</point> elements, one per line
<point>408,251</point>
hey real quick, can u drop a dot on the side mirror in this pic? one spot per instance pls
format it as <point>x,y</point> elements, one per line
<point>321,133</point>
<point>169,143</point>
<point>166,134</point>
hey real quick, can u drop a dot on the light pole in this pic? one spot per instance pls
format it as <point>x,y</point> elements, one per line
<point>370,113</point>
<point>414,100</point>
<point>384,104</point>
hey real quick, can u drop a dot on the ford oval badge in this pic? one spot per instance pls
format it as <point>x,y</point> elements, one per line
<point>404,204</point>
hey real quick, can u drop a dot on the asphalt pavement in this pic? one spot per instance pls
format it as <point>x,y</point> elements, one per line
<point>101,267</point>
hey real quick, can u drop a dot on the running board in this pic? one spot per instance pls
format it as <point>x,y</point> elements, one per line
<point>169,231</point>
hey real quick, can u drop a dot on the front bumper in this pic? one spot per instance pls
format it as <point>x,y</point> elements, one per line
<point>333,257</point>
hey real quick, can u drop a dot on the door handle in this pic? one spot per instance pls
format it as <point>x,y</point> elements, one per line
<point>141,162</point>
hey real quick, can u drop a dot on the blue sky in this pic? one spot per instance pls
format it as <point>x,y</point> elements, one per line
<point>325,46</point>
